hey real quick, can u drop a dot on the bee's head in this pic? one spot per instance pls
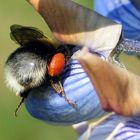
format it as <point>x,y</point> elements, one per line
<point>27,66</point>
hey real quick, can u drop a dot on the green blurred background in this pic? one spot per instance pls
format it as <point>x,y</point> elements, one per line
<point>24,127</point>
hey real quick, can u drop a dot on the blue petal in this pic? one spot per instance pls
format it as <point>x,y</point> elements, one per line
<point>45,104</point>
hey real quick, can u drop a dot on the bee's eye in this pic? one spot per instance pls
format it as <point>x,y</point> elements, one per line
<point>26,82</point>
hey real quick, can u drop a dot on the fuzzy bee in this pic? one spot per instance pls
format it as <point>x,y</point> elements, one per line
<point>36,62</point>
<point>70,23</point>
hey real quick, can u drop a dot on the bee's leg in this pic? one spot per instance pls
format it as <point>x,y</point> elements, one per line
<point>19,105</point>
<point>23,95</point>
<point>114,57</point>
<point>115,60</point>
<point>59,88</point>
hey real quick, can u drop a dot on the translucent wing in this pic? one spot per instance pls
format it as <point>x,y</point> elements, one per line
<point>22,34</point>
<point>74,24</point>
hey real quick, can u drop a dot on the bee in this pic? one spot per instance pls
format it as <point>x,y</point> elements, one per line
<point>36,62</point>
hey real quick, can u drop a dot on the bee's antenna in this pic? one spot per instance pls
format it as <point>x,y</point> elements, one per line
<point>19,105</point>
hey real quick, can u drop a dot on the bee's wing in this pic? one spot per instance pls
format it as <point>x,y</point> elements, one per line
<point>74,24</point>
<point>23,34</point>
